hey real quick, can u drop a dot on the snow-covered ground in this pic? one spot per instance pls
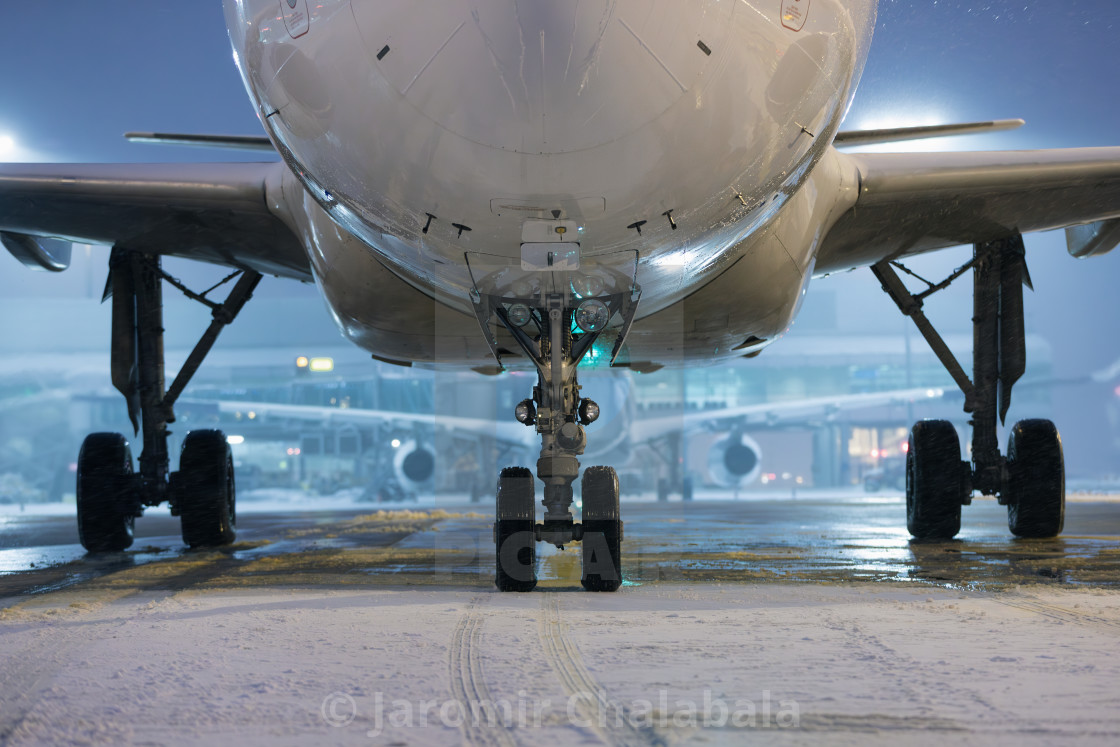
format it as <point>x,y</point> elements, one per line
<point>655,664</point>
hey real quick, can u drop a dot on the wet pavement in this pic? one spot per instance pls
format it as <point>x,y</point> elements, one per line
<point>837,538</point>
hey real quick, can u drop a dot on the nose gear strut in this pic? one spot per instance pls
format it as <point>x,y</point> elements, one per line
<point>556,311</point>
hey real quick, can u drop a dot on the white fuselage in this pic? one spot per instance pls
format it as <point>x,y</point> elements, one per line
<point>420,131</point>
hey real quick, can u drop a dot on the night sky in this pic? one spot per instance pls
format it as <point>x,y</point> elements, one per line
<point>78,74</point>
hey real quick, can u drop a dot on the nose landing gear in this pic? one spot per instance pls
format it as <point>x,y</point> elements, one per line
<point>556,313</point>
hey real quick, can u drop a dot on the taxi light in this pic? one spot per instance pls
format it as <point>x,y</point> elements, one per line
<point>525,412</point>
<point>588,412</point>
<point>321,365</point>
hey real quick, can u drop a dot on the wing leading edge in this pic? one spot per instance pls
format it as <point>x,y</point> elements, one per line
<point>215,212</point>
<point>911,203</point>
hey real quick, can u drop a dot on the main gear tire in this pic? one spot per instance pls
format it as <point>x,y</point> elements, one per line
<point>1036,500</point>
<point>934,494</point>
<point>205,492</point>
<point>106,493</point>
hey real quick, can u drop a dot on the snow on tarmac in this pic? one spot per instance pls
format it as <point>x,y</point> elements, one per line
<point>858,663</point>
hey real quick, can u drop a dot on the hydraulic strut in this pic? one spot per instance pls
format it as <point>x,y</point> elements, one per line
<point>135,284</point>
<point>998,351</point>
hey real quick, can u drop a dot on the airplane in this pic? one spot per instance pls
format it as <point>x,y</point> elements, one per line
<point>734,459</point>
<point>501,185</point>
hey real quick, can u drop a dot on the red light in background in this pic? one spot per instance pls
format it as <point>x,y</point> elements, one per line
<point>1116,391</point>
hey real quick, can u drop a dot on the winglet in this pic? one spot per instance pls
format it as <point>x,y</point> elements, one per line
<point>899,134</point>
<point>236,142</point>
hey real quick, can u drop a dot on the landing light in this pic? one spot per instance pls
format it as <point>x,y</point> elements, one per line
<point>592,315</point>
<point>519,315</point>
<point>585,286</point>
<point>321,365</point>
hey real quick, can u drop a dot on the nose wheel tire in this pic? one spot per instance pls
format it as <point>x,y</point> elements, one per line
<point>602,530</point>
<point>1036,505</point>
<point>105,493</point>
<point>204,489</point>
<point>933,481</point>
<point>515,541</point>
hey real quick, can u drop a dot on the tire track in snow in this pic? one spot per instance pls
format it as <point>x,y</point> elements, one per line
<point>912,678</point>
<point>606,717</point>
<point>481,720</point>
<point>1054,612</point>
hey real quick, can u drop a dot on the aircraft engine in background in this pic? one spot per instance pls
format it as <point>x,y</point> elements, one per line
<point>735,460</point>
<point>414,465</point>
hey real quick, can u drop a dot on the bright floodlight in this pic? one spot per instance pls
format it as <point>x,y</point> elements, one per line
<point>321,365</point>
<point>7,146</point>
<point>234,440</point>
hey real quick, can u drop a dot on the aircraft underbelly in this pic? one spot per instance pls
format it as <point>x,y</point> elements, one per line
<point>395,320</point>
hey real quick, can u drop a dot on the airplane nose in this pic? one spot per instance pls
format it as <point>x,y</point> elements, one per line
<point>544,77</point>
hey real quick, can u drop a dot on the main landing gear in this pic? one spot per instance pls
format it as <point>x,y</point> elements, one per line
<point>110,495</point>
<point>1030,480</point>
<point>556,311</point>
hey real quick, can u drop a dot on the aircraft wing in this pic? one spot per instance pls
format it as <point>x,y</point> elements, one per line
<point>774,413</point>
<point>216,212</point>
<point>910,203</point>
<point>507,432</point>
